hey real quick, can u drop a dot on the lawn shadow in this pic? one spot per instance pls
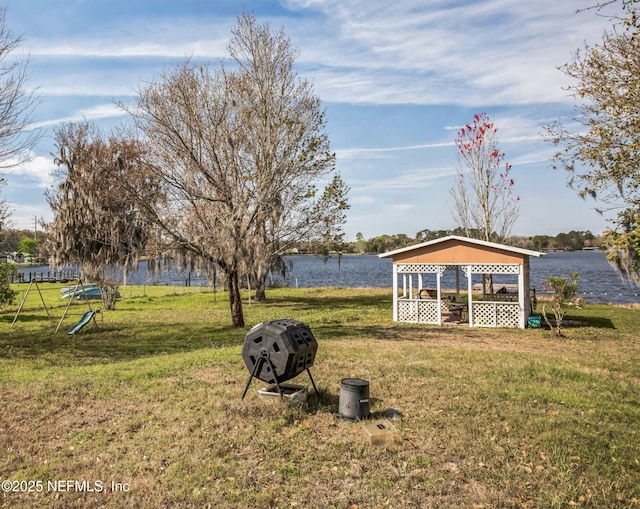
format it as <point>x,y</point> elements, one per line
<point>589,321</point>
<point>398,332</point>
<point>334,301</point>
<point>8,317</point>
<point>109,343</point>
<point>578,321</point>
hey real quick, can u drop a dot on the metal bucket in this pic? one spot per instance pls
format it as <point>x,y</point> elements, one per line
<point>354,399</point>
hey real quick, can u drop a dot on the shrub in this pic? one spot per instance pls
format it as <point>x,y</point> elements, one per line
<point>563,291</point>
<point>7,295</point>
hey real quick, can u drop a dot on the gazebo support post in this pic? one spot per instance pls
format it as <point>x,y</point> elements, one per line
<point>395,292</point>
<point>467,272</point>
<point>522,297</point>
<point>439,294</point>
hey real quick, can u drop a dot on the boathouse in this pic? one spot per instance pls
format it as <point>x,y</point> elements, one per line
<point>471,297</point>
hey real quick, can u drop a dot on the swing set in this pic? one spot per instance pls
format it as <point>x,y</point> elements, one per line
<point>78,290</point>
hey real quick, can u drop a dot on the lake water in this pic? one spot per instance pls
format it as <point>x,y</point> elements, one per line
<point>598,281</point>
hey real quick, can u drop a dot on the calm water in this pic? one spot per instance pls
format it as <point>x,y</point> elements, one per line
<point>598,281</point>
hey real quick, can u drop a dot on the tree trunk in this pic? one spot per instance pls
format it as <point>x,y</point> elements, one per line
<point>260,281</point>
<point>235,299</point>
<point>109,298</point>
<point>487,284</point>
<point>261,294</point>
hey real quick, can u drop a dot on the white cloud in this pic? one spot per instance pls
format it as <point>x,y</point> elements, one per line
<point>108,48</point>
<point>361,200</point>
<point>536,156</point>
<point>35,173</point>
<point>96,112</point>
<point>493,52</point>
<point>415,51</point>
<point>149,36</point>
<point>379,152</point>
<point>401,208</point>
<point>23,215</point>
<point>408,179</point>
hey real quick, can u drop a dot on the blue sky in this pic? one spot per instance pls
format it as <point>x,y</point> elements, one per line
<point>397,79</point>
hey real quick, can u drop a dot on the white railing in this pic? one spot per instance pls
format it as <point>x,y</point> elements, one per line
<point>484,313</point>
<point>495,314</point>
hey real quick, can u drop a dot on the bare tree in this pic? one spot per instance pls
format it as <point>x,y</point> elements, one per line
<point>95,223</point>
<point>5,216</point>
<point>287,148</point>
<point>484,204</point>
<point>241,154</point>
<point>5,211</point>
<point>17,102</point>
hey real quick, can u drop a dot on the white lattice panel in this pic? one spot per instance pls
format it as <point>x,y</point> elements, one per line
<point>484,314</point>
<point>507,315</point>
<point>496,314</point>
<point>407,311</point>
<point>428,311</point>
<point>434,268</point>
<point>489,268</point>
<point>418,311</point>
<point>419,268</point>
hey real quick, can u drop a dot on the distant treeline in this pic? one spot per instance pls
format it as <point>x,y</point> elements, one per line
<point>23,240</point>
<point>571,241</point>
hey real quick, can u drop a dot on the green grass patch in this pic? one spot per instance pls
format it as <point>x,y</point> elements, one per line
<point>150,400</point>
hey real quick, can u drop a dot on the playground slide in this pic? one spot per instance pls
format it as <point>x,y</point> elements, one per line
<point>86,318</point>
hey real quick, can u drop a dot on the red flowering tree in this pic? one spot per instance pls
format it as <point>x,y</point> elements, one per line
<point>484,205</point>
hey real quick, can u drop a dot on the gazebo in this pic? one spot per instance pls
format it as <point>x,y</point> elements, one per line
<point>504,302</point>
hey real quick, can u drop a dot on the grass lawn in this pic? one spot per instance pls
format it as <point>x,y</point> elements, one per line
<point>146,409</point>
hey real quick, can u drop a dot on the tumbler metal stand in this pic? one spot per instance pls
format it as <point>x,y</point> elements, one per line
<point>264,357</point>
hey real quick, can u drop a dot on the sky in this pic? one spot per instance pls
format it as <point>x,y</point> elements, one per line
<point>398,80</point>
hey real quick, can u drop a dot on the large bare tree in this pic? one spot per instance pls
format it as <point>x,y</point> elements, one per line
<point>243,156</point>
<point>599,146</point>
<point>286,146</point>
<point>96,223</point>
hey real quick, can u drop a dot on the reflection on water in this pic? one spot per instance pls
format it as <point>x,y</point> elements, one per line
<point>598,281</point>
